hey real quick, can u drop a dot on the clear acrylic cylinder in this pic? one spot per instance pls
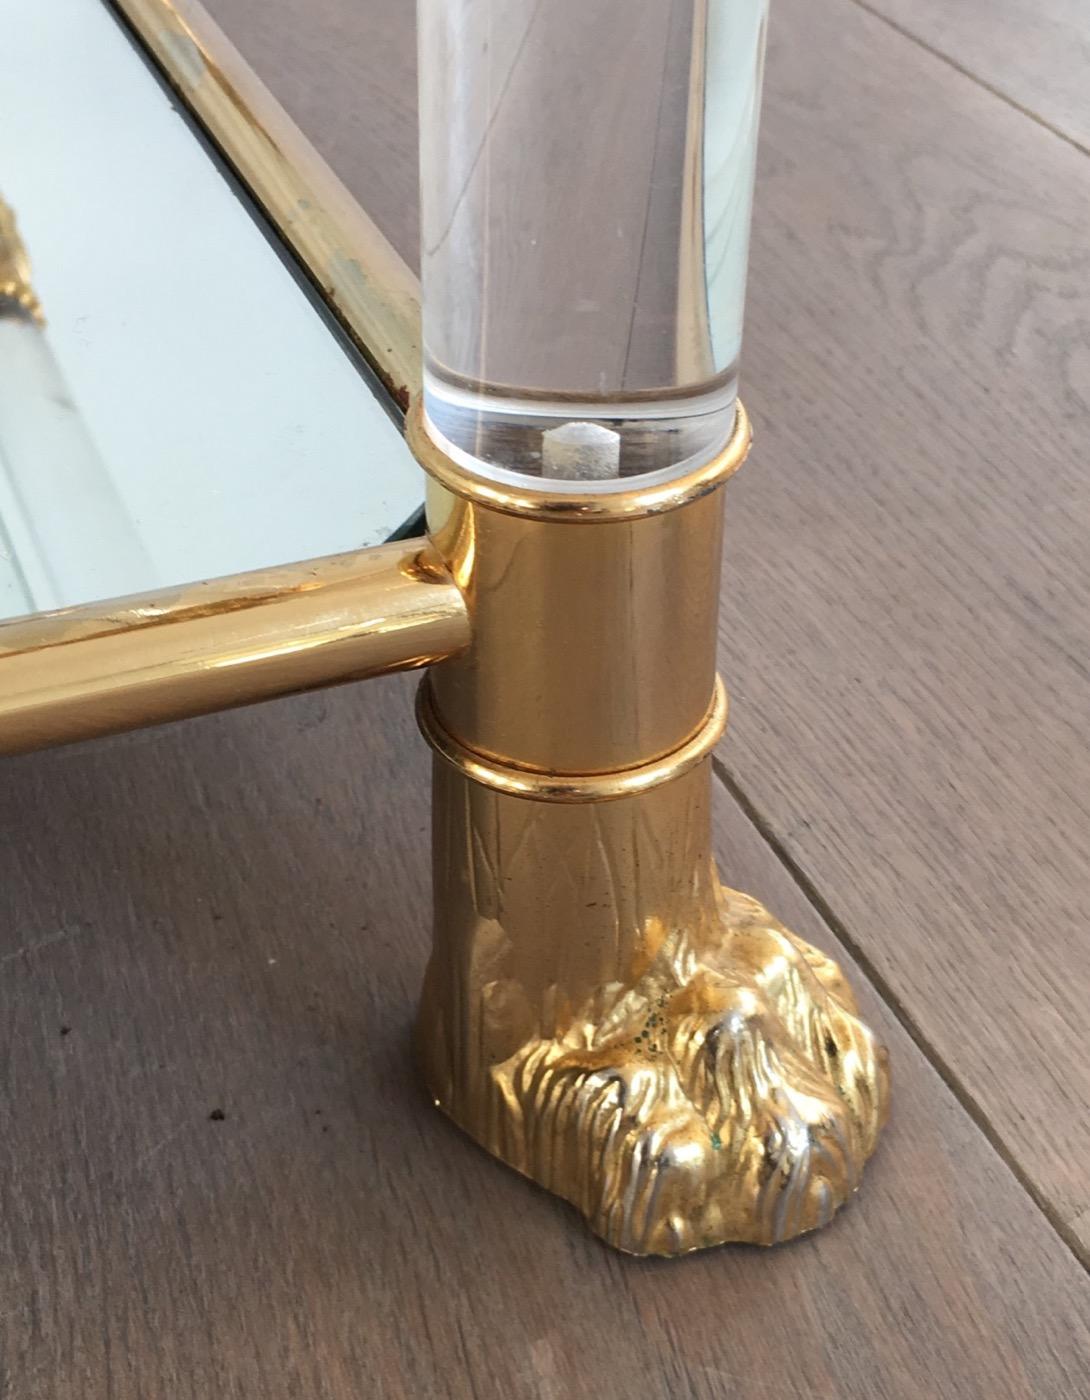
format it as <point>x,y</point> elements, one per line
<point>586,187</point>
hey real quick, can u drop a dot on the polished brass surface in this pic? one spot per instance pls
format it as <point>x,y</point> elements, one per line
<point>594,636</point>
<point>17,295</point>
<point>599,1011</point>
<point>76,690</point>
<point>561,787</point>
<point>604,1016</point>
<point>98,670</point>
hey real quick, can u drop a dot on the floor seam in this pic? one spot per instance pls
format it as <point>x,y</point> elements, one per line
<point>897,1007</point>
<point>980,82</point>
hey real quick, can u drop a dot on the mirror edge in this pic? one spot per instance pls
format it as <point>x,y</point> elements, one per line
<point>371,292</point>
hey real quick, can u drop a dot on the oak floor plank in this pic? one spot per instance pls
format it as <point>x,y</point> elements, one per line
<point>906,622</point>
<point>1035,52</point>
<point>906,619</point>
<point>231,916</point>
<point>345,72</point>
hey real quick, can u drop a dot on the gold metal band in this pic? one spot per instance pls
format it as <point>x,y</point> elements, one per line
<point>544,502</point>
<point>568,787</point>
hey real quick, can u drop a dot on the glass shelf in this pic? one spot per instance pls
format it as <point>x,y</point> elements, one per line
<point>185,410</point>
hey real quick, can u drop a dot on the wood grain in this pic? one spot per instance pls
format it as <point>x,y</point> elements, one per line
<point>907,599</point>
<point>1036,55</point>
<point>230,917</point>
<point>346,74</point>
<point>907,612</point>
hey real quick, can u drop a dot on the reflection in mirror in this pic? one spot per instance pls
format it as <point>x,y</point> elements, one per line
<point>56,493</point>
<point>172,406</point>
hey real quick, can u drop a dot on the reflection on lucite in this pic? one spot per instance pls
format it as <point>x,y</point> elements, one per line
<point>586,184</point>
<point>735,54</point>
<point>185,413</point>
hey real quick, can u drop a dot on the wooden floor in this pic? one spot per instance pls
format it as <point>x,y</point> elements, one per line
<point>219,1178</point>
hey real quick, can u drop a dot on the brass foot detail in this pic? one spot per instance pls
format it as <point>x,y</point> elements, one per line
<point>731,1097</point>
<point>721,1088</point>
<point>599,1012</point>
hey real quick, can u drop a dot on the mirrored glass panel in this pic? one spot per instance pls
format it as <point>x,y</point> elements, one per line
<point>173,406</point>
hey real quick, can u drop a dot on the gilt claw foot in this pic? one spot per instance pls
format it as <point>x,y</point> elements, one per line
<point>728,1092</point>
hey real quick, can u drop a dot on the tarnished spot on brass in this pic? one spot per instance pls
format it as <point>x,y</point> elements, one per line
<point>183,57</point>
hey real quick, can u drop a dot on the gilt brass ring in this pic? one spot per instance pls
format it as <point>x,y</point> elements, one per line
<point>628,500</point>
<point>569,787</point>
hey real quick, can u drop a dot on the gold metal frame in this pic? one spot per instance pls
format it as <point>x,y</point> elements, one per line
<point>364,280</point>
<point>599,1011</point>
<point>83,672</point>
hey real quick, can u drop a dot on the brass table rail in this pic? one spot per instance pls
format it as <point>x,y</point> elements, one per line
<point>360,275</point>
<point>101,669</point>
<point>77,673</point>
